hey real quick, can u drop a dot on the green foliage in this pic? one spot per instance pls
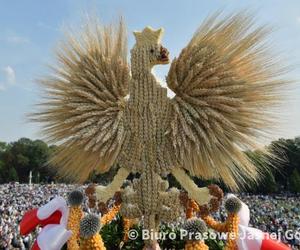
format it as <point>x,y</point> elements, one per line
<point>3,146</point>
<point>266,185</point>
<point>215,244</point>
<point>167,242</point>
<point>289,151</point>
<point>295,181</point>
<point>12,174</point>
<point>18,158</point>
<point>278,173</point>
<point>112,235</point>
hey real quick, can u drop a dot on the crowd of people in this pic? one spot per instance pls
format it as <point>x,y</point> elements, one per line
<point>271,213</point>
<point>279,215</point>
<point>15,200</point>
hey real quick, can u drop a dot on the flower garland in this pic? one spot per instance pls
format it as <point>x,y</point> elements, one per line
<point>127,224</point>
<point>191,208</point>
<point>230,226</point>
<point>218,226</point>
<point>232,206</point>
<point>108,217</point>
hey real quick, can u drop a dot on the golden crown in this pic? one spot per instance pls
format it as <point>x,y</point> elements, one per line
<point>148,36</point>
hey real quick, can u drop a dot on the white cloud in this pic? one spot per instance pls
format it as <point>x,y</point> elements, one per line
<point>10,75</point>
<point>298,19</point>
<point>15,39</point>
<point>2,87</point>
<point>43,25</point>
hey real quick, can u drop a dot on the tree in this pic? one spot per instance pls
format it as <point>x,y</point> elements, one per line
<point>295,181</point>
<point>12,174</point>
<point>3,146</point>
<point>18,158</point>
<point>23,156</point>
<point>287,160</point>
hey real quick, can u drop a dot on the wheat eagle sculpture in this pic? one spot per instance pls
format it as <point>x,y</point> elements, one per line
<point>104,111</point>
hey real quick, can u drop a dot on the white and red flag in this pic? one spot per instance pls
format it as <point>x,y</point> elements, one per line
<point>53,218</point>
<point>254,239</point>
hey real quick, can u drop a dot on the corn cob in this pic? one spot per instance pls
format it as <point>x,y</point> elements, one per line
<point>93,243</point>
<point>195,227</point>
<point>232,206</point>
<point>195,245</point>
<point>90,239</point>
<point>233,230</point>
<point>75,199</point>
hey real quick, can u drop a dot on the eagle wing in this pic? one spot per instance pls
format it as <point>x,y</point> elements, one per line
<point>226,83</point>
<point>83,106</point>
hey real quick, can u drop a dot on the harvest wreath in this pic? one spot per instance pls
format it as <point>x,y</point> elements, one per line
<point>105,112</point>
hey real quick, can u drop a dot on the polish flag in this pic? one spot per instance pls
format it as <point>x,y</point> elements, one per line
<point>53,218</point>
<point>254,239</point>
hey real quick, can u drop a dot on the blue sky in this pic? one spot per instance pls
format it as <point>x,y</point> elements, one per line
<point>30,30</point>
